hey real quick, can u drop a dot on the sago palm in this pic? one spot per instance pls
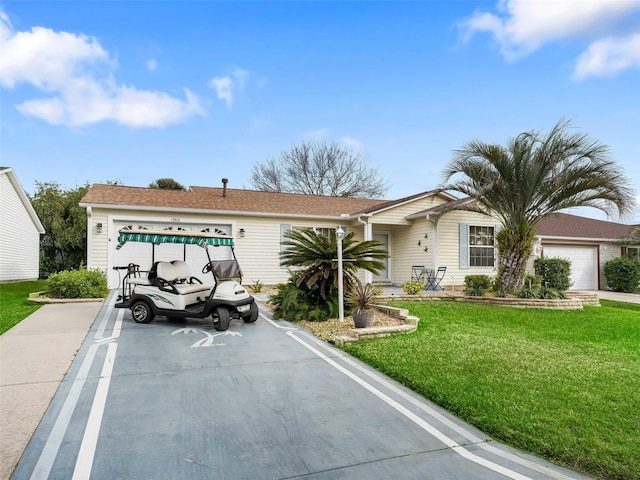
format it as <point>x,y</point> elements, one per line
<point>315,255</point>
<point>536,175</point>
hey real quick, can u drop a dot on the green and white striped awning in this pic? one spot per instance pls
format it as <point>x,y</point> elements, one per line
<point>173,236</point>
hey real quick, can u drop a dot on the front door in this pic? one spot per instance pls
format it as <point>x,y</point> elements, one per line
<point>383,238</point>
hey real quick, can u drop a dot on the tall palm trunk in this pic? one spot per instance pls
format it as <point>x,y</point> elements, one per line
<point>515,246</point>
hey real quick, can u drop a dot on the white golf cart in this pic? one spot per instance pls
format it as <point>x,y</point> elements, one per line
<point>169,289</point>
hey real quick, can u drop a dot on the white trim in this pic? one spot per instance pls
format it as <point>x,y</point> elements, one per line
<point>235,213</point>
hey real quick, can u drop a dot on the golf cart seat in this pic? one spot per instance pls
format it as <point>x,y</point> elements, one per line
<point>175,277</point>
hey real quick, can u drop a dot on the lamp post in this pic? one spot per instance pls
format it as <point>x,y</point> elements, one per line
<point>339,237</point>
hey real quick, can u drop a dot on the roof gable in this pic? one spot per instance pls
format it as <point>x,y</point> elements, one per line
<point>13,179</point>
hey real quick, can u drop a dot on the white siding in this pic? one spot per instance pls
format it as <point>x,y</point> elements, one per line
<point>449,246</point>
<point>257,252</point>
<point>19,237</point>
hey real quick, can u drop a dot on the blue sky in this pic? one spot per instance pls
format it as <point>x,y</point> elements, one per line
<point>197,91</point>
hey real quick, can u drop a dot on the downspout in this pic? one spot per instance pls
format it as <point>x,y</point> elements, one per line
<point>368,235</point>
<point>89,238</point>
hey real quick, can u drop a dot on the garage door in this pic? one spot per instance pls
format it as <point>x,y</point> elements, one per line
<point>584,264</point>
<point>141,253</point>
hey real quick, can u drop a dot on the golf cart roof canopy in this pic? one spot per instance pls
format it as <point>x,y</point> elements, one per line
<point>173,236</point>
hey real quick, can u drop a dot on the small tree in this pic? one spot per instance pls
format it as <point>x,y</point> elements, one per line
<point>320,168</point>
<point>166,184</point>
<point>64,244</point>
<point>311,292</point>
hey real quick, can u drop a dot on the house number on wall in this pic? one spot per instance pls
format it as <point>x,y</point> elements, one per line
<point>175,219</point>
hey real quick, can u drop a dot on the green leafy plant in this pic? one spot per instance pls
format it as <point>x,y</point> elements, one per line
<point>477,285</point>
<point>257,286</point>
<point>82,283</point>
<point>294,301</point>
<point>412,287</point>
<point>555,272</point>
<point>622,274</point>
<point>361,297</point>
<point>377,289</point>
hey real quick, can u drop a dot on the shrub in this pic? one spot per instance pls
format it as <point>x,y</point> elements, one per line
<point>555,272</point>
<point>80,283</point>
<point>477,285</point>
<point>295,302</point>
<point>527,292</point>
<point>412,287</point>
<point>622,274</point>
<point>376,289</point>
<point>257,286</point>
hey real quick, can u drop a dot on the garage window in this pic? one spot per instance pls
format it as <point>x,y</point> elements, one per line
<point>633,252</point>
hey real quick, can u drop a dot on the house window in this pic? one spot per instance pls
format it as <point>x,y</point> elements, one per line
<point>481,246</point>
<point>633,252</point>
<point>324,231</point>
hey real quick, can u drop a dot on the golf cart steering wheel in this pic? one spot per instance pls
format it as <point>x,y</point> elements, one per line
<point>207,268</point>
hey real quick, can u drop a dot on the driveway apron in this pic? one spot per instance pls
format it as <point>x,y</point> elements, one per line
<point>175,399</point>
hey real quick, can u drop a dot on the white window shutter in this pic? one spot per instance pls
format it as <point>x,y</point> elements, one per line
<point>284,228</point>
<point>464,245</point>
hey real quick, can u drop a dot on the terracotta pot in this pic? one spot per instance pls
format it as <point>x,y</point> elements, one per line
<point>363,318</point>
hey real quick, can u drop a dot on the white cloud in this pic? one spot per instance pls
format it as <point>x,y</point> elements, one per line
<point>224,89</point>
<point>316,134</point>
<point>152,64</point>
<point>522,26</point>
<point>352,144</point>
<point>77,74</point>
<point>608,57</point>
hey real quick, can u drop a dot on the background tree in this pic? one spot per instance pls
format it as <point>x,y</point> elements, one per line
<point>535,175</point>
<point>64,245</point>
<point>166,184</point>
<point>318,168</point>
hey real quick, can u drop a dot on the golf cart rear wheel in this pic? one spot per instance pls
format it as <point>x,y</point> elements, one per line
<point>141,312</point>
<point>253,316</point>
<point>223,319</point>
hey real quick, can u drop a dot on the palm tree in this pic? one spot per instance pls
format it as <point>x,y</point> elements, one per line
<point>536,175</point>
<point>316,255</point>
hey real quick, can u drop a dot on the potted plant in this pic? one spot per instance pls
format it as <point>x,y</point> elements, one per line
<point>361,298</point>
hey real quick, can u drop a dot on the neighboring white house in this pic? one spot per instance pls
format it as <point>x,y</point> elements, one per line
<point>20,230</point>
<point>587,243</point>
<point>430,229</point>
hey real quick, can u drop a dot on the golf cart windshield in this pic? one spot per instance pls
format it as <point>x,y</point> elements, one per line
<point>226,269</point>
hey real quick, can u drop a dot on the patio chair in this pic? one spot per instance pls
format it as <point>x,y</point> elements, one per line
<point>433,281</point>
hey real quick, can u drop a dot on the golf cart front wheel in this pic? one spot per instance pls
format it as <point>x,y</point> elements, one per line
<point>141,312</point>
<point>253,316</point>
<point>223,319</point>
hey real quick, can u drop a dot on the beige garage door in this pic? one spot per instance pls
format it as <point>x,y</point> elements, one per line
<point>584,264</point>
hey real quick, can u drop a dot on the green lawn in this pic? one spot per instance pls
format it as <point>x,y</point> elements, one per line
<point>564,385</point>
<point>14,306</point>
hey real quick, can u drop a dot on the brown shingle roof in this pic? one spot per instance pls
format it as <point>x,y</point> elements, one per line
<point>565,225</point>
<point>236,200</point>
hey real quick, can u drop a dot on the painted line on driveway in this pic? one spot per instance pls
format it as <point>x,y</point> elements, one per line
<point>85,457</point>
<point>449,442</point>
<point>84,462</point>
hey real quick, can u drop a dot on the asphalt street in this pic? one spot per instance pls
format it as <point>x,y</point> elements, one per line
<point>180,400</point>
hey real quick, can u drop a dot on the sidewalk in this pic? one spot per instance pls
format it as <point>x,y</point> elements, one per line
<point>34,358</point>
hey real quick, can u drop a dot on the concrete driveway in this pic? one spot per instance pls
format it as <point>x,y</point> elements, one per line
<point>265,400</point>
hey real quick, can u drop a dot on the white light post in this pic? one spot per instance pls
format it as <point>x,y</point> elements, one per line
<point>339,237</point>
